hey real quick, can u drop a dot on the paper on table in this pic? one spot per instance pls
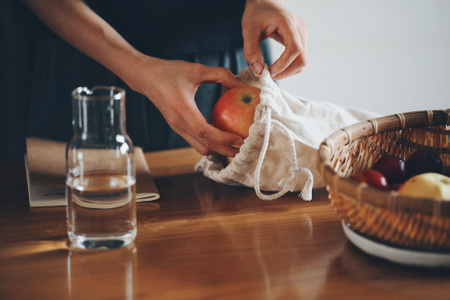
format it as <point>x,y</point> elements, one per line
<point>45,164</point>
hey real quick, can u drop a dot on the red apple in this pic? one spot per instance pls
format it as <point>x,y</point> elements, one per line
<point>392,167</point>
<point>235,110</point>
<point>373,178</point>
<point>395,186</point>
<point>423,161</point>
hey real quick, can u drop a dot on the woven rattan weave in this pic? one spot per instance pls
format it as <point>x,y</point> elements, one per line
<point>417,223</point>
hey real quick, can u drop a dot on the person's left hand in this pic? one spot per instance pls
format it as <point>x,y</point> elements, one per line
<point>269,18</point>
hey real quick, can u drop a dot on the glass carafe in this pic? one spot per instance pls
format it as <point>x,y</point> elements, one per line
<point>101,171</point>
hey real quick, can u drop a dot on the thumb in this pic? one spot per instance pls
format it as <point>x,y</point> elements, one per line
<point>220,75</point>
<point>252,52</point>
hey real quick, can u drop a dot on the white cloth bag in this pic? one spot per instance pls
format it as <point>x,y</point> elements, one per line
<point>280,154</point>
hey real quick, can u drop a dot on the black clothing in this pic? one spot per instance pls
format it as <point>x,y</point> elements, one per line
<point>203,31</point>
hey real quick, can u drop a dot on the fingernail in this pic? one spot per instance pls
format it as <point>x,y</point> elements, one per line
<point>273,74</point>
<point>238,142</point>
<point>257,68</point>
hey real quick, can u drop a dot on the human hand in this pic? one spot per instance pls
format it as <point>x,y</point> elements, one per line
<point>269,18</point>
<point>171,86</point>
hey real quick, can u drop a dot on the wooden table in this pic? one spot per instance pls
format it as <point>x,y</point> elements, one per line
<point>201,240</point>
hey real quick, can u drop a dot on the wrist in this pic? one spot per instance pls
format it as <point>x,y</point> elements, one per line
<point>134,68</point>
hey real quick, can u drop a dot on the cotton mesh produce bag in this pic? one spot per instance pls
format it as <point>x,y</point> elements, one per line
<point>280,154</point>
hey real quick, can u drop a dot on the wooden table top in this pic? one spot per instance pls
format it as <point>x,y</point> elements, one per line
<point>201,240</point>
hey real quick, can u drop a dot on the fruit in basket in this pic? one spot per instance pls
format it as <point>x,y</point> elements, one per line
<point>395,186</point>
<point>423,161</point>
<point>235,110</point>
<point>373,178</point>
<point>427,185</point>
<point>392,167</point>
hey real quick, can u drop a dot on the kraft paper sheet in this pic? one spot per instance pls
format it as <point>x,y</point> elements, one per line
<point>46,166</point>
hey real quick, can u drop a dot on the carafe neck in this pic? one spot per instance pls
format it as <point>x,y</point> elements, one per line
<point>99,115</point>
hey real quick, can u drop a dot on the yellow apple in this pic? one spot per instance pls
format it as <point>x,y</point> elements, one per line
<point>427,185</point>
<point>235,110</point>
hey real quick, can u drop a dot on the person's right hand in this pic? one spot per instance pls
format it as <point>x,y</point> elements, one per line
<point>171,86</point>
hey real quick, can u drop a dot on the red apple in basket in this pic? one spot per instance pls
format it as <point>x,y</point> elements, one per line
<point>373,178</point>
<point>423,161</point>
<point>392,167</point>
<point>235,110</point>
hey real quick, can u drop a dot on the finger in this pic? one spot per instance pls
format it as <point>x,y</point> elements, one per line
<point>216,136</point>
<point>293,48</point>
<point>196,142</point>
<point>300,61</point>
<point>205,146</point>
<point>220,75</point>
<point>294,68</point>
<point>203,136</point>
<point>225,150</point>
<point>252,51</point>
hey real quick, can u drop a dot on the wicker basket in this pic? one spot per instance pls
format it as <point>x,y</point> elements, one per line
<point>386,216</point>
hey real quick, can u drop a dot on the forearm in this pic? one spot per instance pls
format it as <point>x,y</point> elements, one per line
<point>279,2</point>
<point>171,85</point>
<point>81,27</point>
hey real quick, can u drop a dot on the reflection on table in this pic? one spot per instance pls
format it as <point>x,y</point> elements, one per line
<point>200,240</point>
